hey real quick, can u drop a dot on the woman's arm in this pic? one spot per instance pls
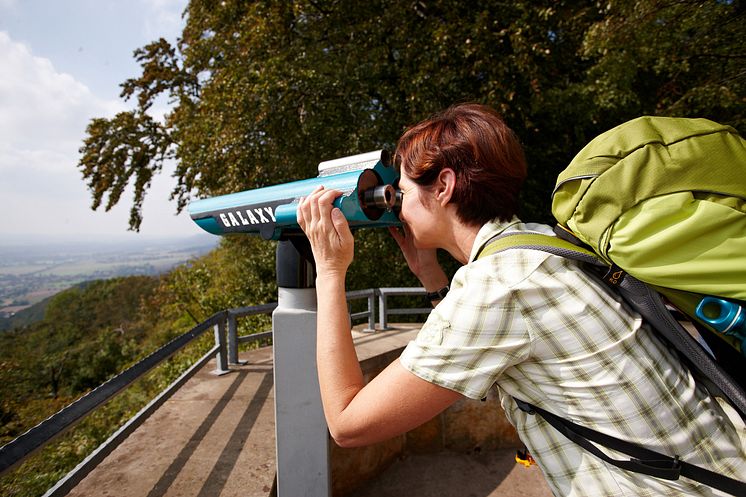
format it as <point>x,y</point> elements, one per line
<point>393,402</point>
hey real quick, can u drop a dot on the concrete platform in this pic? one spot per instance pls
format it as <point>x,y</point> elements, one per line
<point>450,474</point>
<point>215,437</point>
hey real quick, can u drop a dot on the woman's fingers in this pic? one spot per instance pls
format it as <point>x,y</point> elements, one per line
<point>341,226</point>
<point>300,213</point>
<point>402,236</point>
<point>327,230</point>
<point>305,214</point>
<point>303,211</point>
<point>314,204</point>
<point>327,211</point>
<point>314,212</point>
<point>320,202</point>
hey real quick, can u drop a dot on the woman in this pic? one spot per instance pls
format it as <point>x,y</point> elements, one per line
<point>527,322</point>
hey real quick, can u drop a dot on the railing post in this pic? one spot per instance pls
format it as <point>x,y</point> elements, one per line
<point>221,358</point>
<point>383,309</point>
<point>371,312</point>
<point>302,437</point>
<point>233,340</point>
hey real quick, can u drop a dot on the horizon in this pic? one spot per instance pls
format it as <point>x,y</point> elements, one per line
<point>123,240</point>
<point>36,266</point>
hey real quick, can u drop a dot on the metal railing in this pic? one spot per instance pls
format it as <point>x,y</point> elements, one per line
<point>225,351</point>
<point>384,310</point>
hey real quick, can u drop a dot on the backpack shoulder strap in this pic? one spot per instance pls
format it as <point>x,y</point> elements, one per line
<point>611,274</point>
<point>641,297</point>
<point>642,460</point>
<point>649,303</point>
<point>537,241</point>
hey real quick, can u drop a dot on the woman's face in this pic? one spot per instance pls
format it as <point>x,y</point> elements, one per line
<point>418,213</point>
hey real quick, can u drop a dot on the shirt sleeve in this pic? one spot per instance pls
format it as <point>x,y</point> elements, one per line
<point>473,335</point>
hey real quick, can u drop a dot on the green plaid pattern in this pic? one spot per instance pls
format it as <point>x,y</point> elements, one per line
<point>535,327</point>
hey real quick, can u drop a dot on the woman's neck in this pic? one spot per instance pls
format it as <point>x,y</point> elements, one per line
<point>461,240</point>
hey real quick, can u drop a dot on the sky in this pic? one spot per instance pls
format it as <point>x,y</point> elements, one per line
<point>61,64</point>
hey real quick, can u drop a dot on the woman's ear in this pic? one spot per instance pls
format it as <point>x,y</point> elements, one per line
<point>445,186</point>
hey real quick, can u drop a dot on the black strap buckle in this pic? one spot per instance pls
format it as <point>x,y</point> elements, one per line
<point>667,469</point>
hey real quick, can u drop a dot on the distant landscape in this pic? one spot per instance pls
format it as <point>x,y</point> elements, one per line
<point>34,269</point>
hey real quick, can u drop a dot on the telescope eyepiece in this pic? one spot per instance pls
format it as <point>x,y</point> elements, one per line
<point>398,196</point>
<point>379,197</point>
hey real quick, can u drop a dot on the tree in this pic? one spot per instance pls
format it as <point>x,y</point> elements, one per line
<point>678,58</point>
<point>263,90</point>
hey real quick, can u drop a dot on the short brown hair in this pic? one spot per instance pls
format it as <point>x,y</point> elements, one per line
<point>473,141</point>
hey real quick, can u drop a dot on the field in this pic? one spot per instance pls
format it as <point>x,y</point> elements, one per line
<point>32,272</point>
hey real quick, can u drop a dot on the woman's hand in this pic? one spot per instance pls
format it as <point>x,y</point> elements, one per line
<point>422,262</point>
<point>327,230</point>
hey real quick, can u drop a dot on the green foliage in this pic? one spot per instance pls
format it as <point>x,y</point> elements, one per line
<point>130,147</point>
<point>25,316</point>
<point>44,469</point>
<point>669,58</point>
<point>89,333</point>
<point>262,91</point>
<point>239,273</point>
<point>92,332</point>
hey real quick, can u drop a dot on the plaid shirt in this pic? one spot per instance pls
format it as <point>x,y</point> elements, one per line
<point>537,328</point>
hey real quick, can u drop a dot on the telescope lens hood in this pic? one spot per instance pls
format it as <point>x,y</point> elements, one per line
<point>372,194</point>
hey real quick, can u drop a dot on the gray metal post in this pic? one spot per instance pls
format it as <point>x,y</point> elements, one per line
<point>382,310</point>
<point>233,340</point>
<point>371,312</point>
<point>302,438</point>
<point>221,358</point>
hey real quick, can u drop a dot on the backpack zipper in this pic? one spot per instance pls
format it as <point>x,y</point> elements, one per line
<point>562,183</point>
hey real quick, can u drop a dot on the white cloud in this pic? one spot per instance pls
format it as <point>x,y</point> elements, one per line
<point>40,108</point>
<point>43,115</point>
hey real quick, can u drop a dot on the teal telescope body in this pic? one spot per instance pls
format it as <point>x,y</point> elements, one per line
<point>370,198</point>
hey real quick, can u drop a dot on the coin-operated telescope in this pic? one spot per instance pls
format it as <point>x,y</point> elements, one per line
<point>370,198</point>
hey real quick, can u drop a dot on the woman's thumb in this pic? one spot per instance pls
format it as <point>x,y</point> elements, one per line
<point>337,217</point>
<point>340,223</point>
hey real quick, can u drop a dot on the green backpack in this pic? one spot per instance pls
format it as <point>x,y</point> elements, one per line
<point>665,200</point>
<point>656,210</point>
